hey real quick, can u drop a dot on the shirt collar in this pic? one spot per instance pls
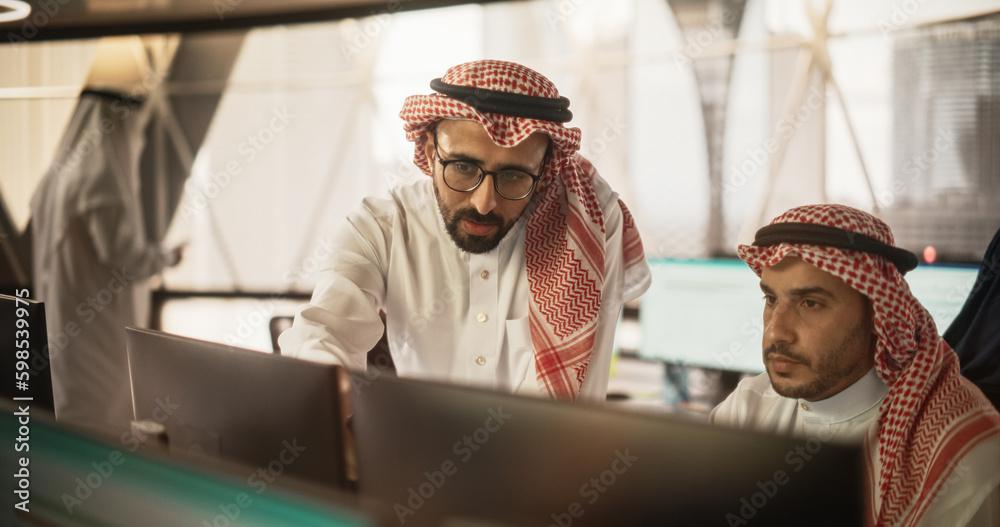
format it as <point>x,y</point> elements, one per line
<point>865,393</point>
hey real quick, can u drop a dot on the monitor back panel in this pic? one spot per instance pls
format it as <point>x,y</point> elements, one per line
<point>434,452</point>
<point>25,351</point>
<point>277,415</point>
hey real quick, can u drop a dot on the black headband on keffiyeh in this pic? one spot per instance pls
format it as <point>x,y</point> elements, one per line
<point>829,236</point>
<point>564,238</point>
<point>930,408</point>
<point>555,109</point>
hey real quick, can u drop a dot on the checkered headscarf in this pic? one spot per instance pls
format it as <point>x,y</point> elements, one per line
<point>932,415</point>
<point>565,231</point>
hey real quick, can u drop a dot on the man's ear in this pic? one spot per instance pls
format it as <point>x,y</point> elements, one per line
<point>429,148</point>
<point>870,321</point>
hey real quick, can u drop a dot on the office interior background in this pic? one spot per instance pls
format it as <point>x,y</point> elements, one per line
<point>709,117</point>
<point>272,120</point>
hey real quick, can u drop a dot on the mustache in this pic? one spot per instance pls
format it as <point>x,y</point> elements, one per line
<point>782,350</point>
<point>472,215</point>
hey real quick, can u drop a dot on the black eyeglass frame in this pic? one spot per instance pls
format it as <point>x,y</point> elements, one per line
<point>484,173</point>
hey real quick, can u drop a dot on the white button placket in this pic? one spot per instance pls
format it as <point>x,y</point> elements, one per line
<point>482,326</point>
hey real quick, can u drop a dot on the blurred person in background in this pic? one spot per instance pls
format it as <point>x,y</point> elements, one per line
<point>91,254</point>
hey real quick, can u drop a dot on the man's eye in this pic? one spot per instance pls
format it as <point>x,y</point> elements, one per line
<point>465,169</point>
<point>512,176</point>
<point>770,300</point>
<point>810,303</point>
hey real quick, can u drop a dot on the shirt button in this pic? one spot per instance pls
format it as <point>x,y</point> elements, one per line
<point>484,275</point>
<point>481,317</point>
<point>805,407</point>
<point>480,360</point>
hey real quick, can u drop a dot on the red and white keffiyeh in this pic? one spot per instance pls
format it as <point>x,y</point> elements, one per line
<point>565,231</point>
<point>932,415</point>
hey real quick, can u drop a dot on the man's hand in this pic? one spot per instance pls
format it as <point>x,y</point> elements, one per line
<point>175,255</point>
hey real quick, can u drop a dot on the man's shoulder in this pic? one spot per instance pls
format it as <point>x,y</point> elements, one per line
<point>416,191</point>
<point>753,396</point>
<point>757,386</point>
<point>401,200</point>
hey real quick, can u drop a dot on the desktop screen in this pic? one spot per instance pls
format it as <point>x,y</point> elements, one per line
<point>707,313</point>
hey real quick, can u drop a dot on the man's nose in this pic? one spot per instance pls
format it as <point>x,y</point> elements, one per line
<point>485,197</point>
<point>779,326</point>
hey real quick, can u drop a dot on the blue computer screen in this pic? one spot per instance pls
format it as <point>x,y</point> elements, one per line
<point>707,313</point>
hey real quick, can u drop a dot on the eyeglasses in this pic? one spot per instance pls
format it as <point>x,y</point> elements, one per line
<point>465,176</point>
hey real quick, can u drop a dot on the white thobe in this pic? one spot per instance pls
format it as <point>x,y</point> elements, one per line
<point>450,315</point>
<point>971,495</point>
<point>92,260</point>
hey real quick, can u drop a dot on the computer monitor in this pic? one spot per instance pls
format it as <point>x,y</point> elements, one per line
<point>942,289</point>
<point>25,350</point>
<point>703,313</point>
<point>77,478</point>
<point>707,312</point>
<point>279,415</point>
<point>436,453</point>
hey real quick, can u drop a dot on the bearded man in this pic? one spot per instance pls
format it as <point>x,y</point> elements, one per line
<point>505,269</point>
<point>851,354</point>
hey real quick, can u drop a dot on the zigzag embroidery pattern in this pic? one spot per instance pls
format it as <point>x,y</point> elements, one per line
<point>937,421</point>
<point>567,312</point>
<point>566,294</point>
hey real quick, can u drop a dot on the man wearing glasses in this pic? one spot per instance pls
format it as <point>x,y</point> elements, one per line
<point>514,280</point>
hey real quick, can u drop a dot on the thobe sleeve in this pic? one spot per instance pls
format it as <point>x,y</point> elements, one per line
<point>120,241</point>
<point>341,323</point>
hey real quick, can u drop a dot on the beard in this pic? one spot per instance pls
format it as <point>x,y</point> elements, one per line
<point>829,367</point>
<point>468,242</point>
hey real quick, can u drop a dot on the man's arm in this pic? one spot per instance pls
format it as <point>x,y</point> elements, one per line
<point>119,241</point>
<point>341,323</point>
